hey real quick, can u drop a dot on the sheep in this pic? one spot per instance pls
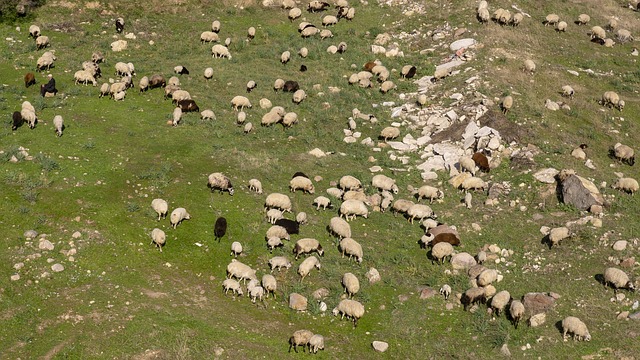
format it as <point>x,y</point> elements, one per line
<point>628,185</point>
<point>236,249</point>
<point>517,19</point>
<point>158,238</point>
<point>27,105</point>
<point>351,284</point>
<point>123,69</point>
<point>255,185</point>
<point>466,163</point>
<point>500,301</point>
<point>285,57</point>
<point>291,226</point>
<point>473,183</point>
<point>269,284</point>
<point>483,15</point>
<point>180,95</point>
<point>429,192</point>
<point>335,192</point>
<point>309,31</point>
<point>221,182</point>
<point>143,84</point>
<point>624,153</point>
<point>119,25</point>
<point>611,99</point>
<point>42,42</point>
<point>307,246</point>
<point>349,308</point>
<point>383,182</point>
<point>352,208</point>
<point>273,215</point>
<point>17,120</point>
<point>302,183</point>
<point>301,218</point>
<point>450,238</point>
<point>598,34</point>
<point>180,70</point>
<point>209,36</point>
<point>558,234</point>
<point>289,119</point>
<point>401,206</point>
<point>178,215</point>
<point>251,33</point>
<point>34,31</point>
<point>58,126</point>
<point>294,13</point>
<point>220,51</point>
<point>240,271</point>
<point>207,115</point>
<point>420,212</point>
<point>445,290</point>
<point>307,265</point>
<point>215,26</point>
<point>44,62</point>
<point>240,102</point>
<point>157,81</point>
<point>506,104</point>
<point>608,43</point>
<point>251,85</point>
<point>277,231</point>
<point>572,324</point>
<point>352,248</point>
<point>617,279</point>
<point>316,5</point>
<point>329,20</point>
<point>274,242</point>
<point>472,296</point>
<point>29,79</point>
<point>389,132</point>
<point>174,81</point>
<point>279,262</point>
<point>299,96</point>
<point>279,201</point>
<point>567,91</point>
<point>342,47</point>
<point>387,86</point>
<point>104,90</point>
<point>220,228</point>
<point>583,19</point>
<point>516,311</point>
<point>551,19</point>
<point>326,33</point>
<point>349,182</point>
<point>486,277</point>
<point>561,26</point>
<point>83,76</point>
<point>92,68</point>
<point>248,127</point>
<point>622,35</point>
<point>29,117</point>
<point>233,285</point>
<point>288,4</point>
<point>241,117</point>
<point>316,342</point>
<point>440,251</point>
<point>322,201</point>
<point>176,116</point>
<point>97,57</point>
<point>291,86</point>
<point>339,227</point>
<point>299,338</point>
<point>119,96</point>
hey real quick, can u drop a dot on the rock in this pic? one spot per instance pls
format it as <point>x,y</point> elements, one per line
<point>494,248</point>
<point>462,43</point>
<point>373,276</point>
<point>462,261</point>
<point>546,176</point>
<point>57,267</point>
<point>504,350</point>
<point>620,245</point>
<point>427,293</point>
<point>403,298</point>
<point>623,315</point>
<point>400,146</point>
<point>380,346</point>
<point>377,49</point>
<point>635,316</point>
<point>15,277</point>
<point>30,234</point>
<point>76,235</point>
<point>537,319</point>
<point>18,266</point>
<point>620,297</point>
<point>320,293</point>
<point>45,244</point>
<point>449,306</point>
<point>317,153</point>
<point>350,139</point>
<point>451,114</point>
<point>382,39</point>
<point>537,303</point>
<point>580,192</point>
<point>628,262</point>
<point>297,302</point>
<point>429,175</point>
<point>596,209</point>
<point>375,169</point>
<point>119,45</point>
<point>323,306</point>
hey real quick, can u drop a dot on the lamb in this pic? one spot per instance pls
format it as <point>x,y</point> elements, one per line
<point>278,201</point>
<point>42,42</point>
<point>558,234</point>
<point>303,183</point>
<point>339,227</point>
<point>551,19</point>
<point>158,238</point>
<point>352,248</point>
<point>561,26</point>
<point>207,115</point>
<point>349,182</point>
<point>529,66</point>
<point>624,153</point>
<point>351,284</point>
<point>342,47</point>
<point>300,338</point>
<point>472,296</point>
<point>307,265</point>
<point>255,185</point>
<point>301,218</point>
<point>389,132</point>
<point>285,57</point>
<point>220,228</point>
<point>273,215</point>
<point>506,104</point>
<point>349,308</point>
<point>598,34</point>
<point>269,284</point>
<point>322,201</point>
<point>220,51</point>
<point>516,311</point>
<point>628,185</point>
<point>408,71</point>
<point>17,121</point>
<point>176,116</point>
<point>299,96</point>
<point>294,13</point>
<point>572,324</point>
<point>583,19</point>
<point>236,248</point>
<point>316,343</point>
<point>240,102</point>
<point>445,290</point>
<point>97,57</point>
<point>307,246</point>
<point>119,96</point>
<point>215,26</point>
<point>567,91</point>
<point>617,279</point>
<point>29,79</point>
<point>383,182</point>
<point>178,215</point>
<point>34,31</point>
<point>221,182</point>
<point>420,212</point>
<point>58,126</point>
<point>500,301</point>
<point>429,192</point>
<point>251,33</point>
<point>233,285</point>
<point>329,20</point>
<point>209,36</point>
<point>441,251</point>
<point>352,208</point>
<point>473,183</point>
<point>181,70</point>
<point>277,231</point>
<point>279,262</point>
<point>251,85</point>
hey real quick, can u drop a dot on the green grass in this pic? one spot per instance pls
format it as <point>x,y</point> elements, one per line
<point>120,297</point>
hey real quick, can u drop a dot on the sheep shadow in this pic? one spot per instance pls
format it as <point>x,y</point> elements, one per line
<point>558,326</point>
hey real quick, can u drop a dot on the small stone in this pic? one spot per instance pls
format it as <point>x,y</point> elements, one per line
<point>596,209</point>
<point>15,277</point>
<point>349,139</point>
<point>476,227</point>
<point>402,298</point>
<point>620,296</point>
<point>380,346</point>
<point>449,306</point>
<point>546,176</point>
<point>375,169</point>
<point>30,234</point>
<point>635,316</point>
<point>494,248</point>
<point>45,245</point>
<point>323,306</point>
<point>623,315</point>
<point>504,350</point>
<point>462,43</point>
<point>620,245</point>
<point>57,267</point>
<point>297,302</point>
<point>76,235</point>
<point>320,293</point>
<point>427,293</point>
<point>373,275</point>
<point>317,153</point>
<point>537,319</point>
<point>628,262</point>
<point>596,222</point>
<point>18,266</point>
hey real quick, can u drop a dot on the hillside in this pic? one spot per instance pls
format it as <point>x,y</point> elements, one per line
<point>89,283</point>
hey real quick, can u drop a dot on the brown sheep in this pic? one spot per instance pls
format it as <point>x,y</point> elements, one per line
<point>29,79</point>
<point>481,161</point>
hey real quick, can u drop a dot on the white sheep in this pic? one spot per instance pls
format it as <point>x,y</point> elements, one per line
<point>42,42</point>
<point>58,126</point>
<point>429,192</point>
<point>176,116</point>
<point>322,201</point>
<point>119,96</point>
<point>307,265</point>
<point>401,206</point>
<point>274,215</point>
<point>583,19</point>
<point>161,207</point>
<point>349,182</point>
<point>473,183</point>
<point>306,246</point>
<point>561,26</point>
<point>420,212</point>
<point>624,35</point>
<point>301,218</point>
<point>352,208</point>
<point>158,238</point>
<point>34,31</point>
<point>383,182</point>
<point>255,185</point>
<point>352,248</point>
<point>240,119</point>
<point>551,19</point>
<point>349,308</point>
<point>567,91</point>
<point>339,227</point>
<point>274,242</point>
<point>500,301</point>
<point>299,96</point>
<point>598,33</point>
<point>123,69</point>
<point>220,51</point>
<point>256,292</point>
<point>220,182</point>
<point>627,184</point>
<point>173,81</point>
<point>624,153</point>
<point>209,36</point>
<point>215,26</point>
<point>516,311</point>
<point>529,66</point>
<point>240,102</point>
<point>240,271</point>
<point>483,15</point>
<point>387,86</point>
<point>285,57</point>
<point>104,90</point>
<point>303,53</point>
<point>251,33</point>
<point>302,183</point>
<point>389,132</point>
<point>506,104</point>
<point>467,164</point>
<point>180,95</point>
<point>517,19</point>
<point>289,119</point>
<point>335,192</point>
<point>279,262</point>
<point>208,73</point>
<point>248,127</point>
<point>178,215</point>
<point>279,201</point>
<point>274,116</point>
<point>316,342</point>
<point>233,285</point>
<point>329,20</point>
<point>445,290</point>
<point>299,338</point>
<point>309,31</point>
<point>572,324</point>
<point>277,231</point>
<point>85,77</point>
<point>558,234</point>
<point>325,34</point>
<point>486,277</point>
<point>441,251</point>
<point>278,84</point>
<point>143,84</point>
<point>29,117</point>
<point>294,13</point>
<point>617,279</point>
<point>270,284</point>
<point>236,249</point>
<point>351,284</point>
<point>207,115</point>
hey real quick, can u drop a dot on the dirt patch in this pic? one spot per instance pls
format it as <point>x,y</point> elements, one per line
<point>92,5</point>
<point>150,355</point>
<point>154,294</point>
<point>55,350</point>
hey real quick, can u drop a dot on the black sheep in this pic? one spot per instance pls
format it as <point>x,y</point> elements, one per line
<point>17,120</point>
<point>181,70</point>
<point>119,25</point>
<point>291,226</point>
<point>157,81</point>
<point>303,68</point>
<point>300,173</point>
<point>291,86</point>
<point>220,228</point>
<point>410,73</point>
<point>188,106</point>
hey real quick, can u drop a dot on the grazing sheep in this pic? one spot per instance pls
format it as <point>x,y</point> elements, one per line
<point>483,15</point>
<point>429,192</point>
<point>598,34</point>
<point>302,183</point>
<point>104,90</point>
<point>342,47</point>
<point>233,285</point>
<point>248,127</point>
<point>177,116</point>
<point>529,66</point>
<point>517,18</point>
<point>273,215</point>
<point>251,85</point>
<point>277,231</point>
<point>236,249</point>
<point>240,119</point>
<point>251,33</point>
<point>269,284</point>
<point>349,182</point>
<point>335,192</point>
<point>42,42</point>
<point>612,99</point>
<point>351,284</point>
<point>624,153</point>
<point>572,324</point>
<point>301,218</point>
<point>178,215</point>
<point>291,86</point>
<point>500,301</point>
<point>440,251</point>
<point>401,206</point>
<point>179,95</point>
<point>240,102</point>
<point>383,182</point>
<point>567,91</point>
<point>408,71</point>
<point>309,31</point>
<point>29,117</point>
<point>215,26</point>
<point>207,115</point>
<point>220,228</point>
<point>628,185</point>
<point>34,31</point>
<point>278,201</point>
<point>300,338</point>
<point>349,308</point>
<point>329,20</point>
<point>58,126</point>
<point>29,79</point>
<point>445,290</point>
<point>561,26</point>
<point>352,208</point>
<point>487,276</point>
<point>307,246</point>
<point>481,160</point>
<point>558,234</point>
<point>389,132</point>
<point>289,119</point>
<point>612,24</point>
<point>44,62</point>
<point>124,69</point>
<point>209,36</point>
<point>322,201</point>
<point>189,105</point>
<point>316,5</point>
<point>450,238</point>
<point>181,70</point>
<point>316,343</point>
<point>143,85</point>
<point>279,262</point>
<point>174,81</point>
<point>583,19</point>
<point>622,35</point>
<point>119,25</point>
<point>326,33</point>
<point>119,96</point>
<point>352,248</point>
<point>158,238</point>
<point>466,163</point>
<point>506,104</point>
<point>240,271</point>
<point>420,212</point>
<point>339,227</point>
<point>387,86</point>
<point>285,57</point>
<point>473,183</point>
<point>157,81</point>
<point>516,311</point>
<point>472,296</point>
<point>294,13</point>
<point>208,73</point>
<point>307,265</point>
<point>299,96</point>
<point>17,120</point>
<point>221,182</point>
<point>220,51</point>
<point>274,242</point>
<point>551,19</point>
<point>255,185</point>
<point>617,279</point>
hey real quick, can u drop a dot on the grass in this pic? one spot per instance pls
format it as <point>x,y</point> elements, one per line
<point>121,298</point>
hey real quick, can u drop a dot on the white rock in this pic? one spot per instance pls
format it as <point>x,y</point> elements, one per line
<point>76,235</point>
<point>349,139</point>
<point>380,346</point>
<point>373,275</point>
<point>377,49</point>
<point>45,245</point>
<point>57,267</point>
<point>452,115</point>
<point>589,164</point>
<point>462,43</point>
<point>429,175</point>
<point>456,96</point>
<point>546,176</point>
<point>317,153</point>
<point>375,169</point>
<point>620,245</point>
<point>423,140</point>
<point>367,141</point>
<point>537,319</point>
<point>15,277</point>
<point>544,230</point>
<point>397,145</point>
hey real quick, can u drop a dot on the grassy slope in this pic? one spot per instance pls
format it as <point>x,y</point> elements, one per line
<point>120,290</point>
